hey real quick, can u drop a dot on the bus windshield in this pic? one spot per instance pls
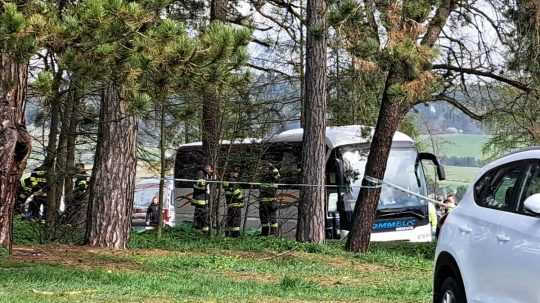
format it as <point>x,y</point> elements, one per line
<point>400,171</point>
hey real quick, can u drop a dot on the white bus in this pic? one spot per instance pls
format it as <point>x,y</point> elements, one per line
<point>400,215</point>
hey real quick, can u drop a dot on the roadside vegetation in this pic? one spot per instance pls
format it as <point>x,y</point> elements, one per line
<point>182,266</point>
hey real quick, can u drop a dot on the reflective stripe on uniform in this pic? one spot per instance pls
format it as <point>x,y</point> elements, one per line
<point>265,225</point>
<point>235,228</point>
<point>199,202</point>
<point>235,205</point>
<point>237,193</point>
<point>206,228</point>
<point>274,225</point>
<point>201,184</point>
<point>268,200</point>
<point>269,185</point>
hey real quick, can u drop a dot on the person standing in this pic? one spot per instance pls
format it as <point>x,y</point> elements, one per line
<point>200,200</point>
<point>24,191</point>
<point>235,202</point>
<point>268,201</point>
<point>152,213</point>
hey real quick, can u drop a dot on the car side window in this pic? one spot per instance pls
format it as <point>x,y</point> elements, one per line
<point>533,184</point>
<point>498,188</point>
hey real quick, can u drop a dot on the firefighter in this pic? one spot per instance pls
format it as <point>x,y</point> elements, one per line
<point>81,179</point>
<point>23,192</point>
<point>200,199</point>
<point>268,201</point>
<point>235,202</point>
<point>38,182</point>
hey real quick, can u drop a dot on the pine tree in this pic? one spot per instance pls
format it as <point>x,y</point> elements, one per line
<point>20,26</point>
<point>311,215</point>
<point>407,66</point>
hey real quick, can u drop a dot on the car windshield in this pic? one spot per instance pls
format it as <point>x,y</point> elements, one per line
<point>400,171</point>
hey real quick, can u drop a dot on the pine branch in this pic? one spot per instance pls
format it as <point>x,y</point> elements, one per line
<point>519,85</point>
<point>458,105</point>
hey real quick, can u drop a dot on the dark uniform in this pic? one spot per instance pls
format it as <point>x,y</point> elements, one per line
<point>23,192</point>
<point>38,181</point>
<point>152,214</point>
<point>235,202</point>
<point>200,202</point>
<point>268,201</point>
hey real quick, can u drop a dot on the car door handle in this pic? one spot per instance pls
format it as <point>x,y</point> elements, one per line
<point>503,238</point>
<point>465,229</point>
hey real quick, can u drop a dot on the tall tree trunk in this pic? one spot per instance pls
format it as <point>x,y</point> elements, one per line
<point>52,151</point>
<point>113,177</point>
<point>15,142</point>
<point>211,111</point>
<point>50,162</point>
<point>390,115</point>
<point>311,215</point>
<point>71,136</point>
<point>302,66</point>
<point>163,167</point>
<point>57,187</point>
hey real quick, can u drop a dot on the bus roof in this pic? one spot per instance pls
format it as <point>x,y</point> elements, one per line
<point>335,136</point>
<point>340,135</point>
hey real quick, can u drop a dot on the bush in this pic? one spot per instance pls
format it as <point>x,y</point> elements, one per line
<point>28,232</point>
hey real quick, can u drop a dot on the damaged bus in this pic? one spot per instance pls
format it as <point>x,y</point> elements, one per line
<point>400,214</point>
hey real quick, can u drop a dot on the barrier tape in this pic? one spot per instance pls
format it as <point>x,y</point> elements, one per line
<point>382,182</point>
<point>377,183</point>
<point>263,183</point>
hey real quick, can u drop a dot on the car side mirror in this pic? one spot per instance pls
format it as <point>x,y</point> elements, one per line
<point>532,204</point>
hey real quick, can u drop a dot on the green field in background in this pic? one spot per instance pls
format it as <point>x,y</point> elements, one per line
<point>461,174</point>
<point>457,145</point>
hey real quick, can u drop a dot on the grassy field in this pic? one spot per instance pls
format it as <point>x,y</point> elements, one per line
<point>460,174</point>
<point>458,145</point>
<point>182,267</point>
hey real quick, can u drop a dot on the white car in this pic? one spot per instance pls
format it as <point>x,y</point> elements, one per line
<point>145,191</point>
<point>489,246</point>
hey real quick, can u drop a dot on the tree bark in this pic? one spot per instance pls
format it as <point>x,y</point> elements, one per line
<point>50,160</point>
<point>58,171</point>
<point>390,115</point>
<point>113,177</point>
<point>15,142</point>
<point>218,10</point>
<point>71,136</point>
<point>52,151</point>
<point>311,215</point>
<point>211,112</point>
<point>163,167</point>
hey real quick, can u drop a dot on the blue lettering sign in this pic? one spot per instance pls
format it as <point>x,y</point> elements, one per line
<point>393,224</point>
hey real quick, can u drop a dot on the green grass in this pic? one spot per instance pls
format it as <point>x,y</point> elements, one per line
<point>185,267</point>
<point>457,145</point>
<point>461,174</point>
